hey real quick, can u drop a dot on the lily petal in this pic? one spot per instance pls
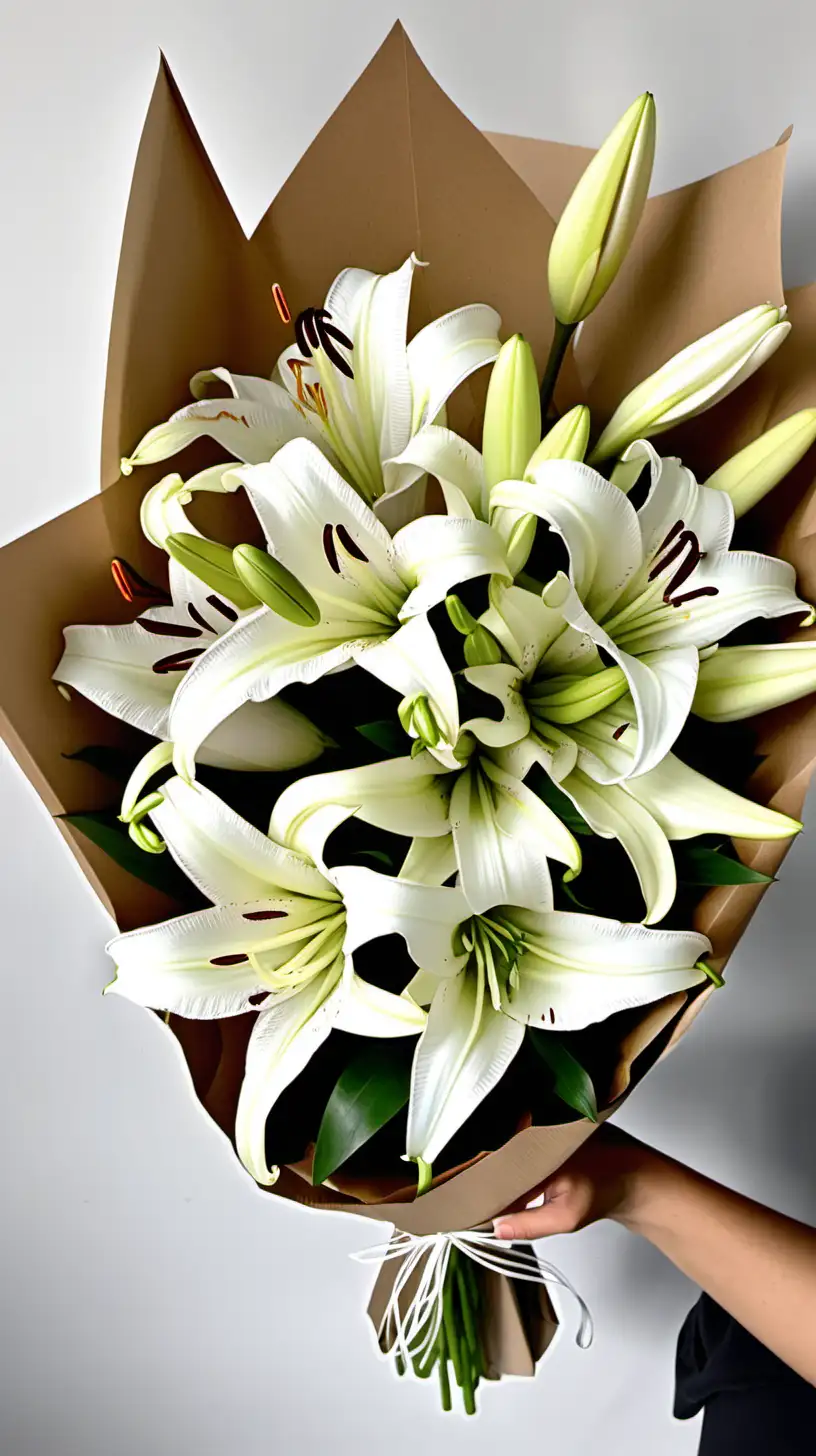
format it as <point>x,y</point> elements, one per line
<point>446,352</point>
<point>613,814</point>
<point>501,681</point>
<point>594,518</point>
<point>411,663</point>
<point>490,811</point>
<point>425,916</point>
<point>373,310</point>
<point>260,655</point>
<point>463,1052</point>
<point>224,856</point>
<point>301,500</point>
<point>283,1041</point>
<point>742,585</point>
<point>451,460</point>
<point>430,861</point>
<point>580,969</point>
<point>437,552</point>
<point>367,1010</point>
<point>522,623</point>
<point>662,683</point>
<point>246,429</point>
<point>686,803</point>
<point>197,965</point>
<point>406,795</point>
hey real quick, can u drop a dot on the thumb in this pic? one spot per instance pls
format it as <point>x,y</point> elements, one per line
<point>557,1208</point>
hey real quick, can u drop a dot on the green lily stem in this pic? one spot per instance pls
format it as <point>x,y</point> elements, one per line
<point>444,1380</point>
<point>424,1176</point>
<point>562,334</point>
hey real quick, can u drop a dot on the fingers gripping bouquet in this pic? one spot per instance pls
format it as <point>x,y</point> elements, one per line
<point>434,730</point>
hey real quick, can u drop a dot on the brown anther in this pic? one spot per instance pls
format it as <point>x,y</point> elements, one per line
<point>264,915</point>
<point>619,732</point>
<point>330,549</point>
<point>197,617</point>
<point>347,540</point>
<point>134,588</point>
<point>700,591</point>
<point>229,960</point>
<point>223,607</point>
<point>177,661</point>
<point>281,304</point>
<point>167,629</point>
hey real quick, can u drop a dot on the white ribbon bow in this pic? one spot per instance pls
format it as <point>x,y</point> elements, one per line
<point>412,1333</point>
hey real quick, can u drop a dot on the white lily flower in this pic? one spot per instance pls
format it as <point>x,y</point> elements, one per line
<point>133,671</point>
<point>488,976</point>
<point>739,682</point>
<point>649,587</point>
<point>274,942</point>
<point>494,830</point>
<point>351,383</point>
<point>364,583</point>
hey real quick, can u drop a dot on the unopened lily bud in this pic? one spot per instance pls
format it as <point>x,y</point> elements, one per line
<point>749,475</point>
<point>463,620</point>
<point>512,421</point>
<point>739,682</point>
<point>417,716</point>
<point>695,379</point>
<point>146,838</point>
<point>481,648</point>
<point>602,215</point>
<point>274,585</point>
<point>211,563</point>
<point>567,440</point>
<point>571,699</point>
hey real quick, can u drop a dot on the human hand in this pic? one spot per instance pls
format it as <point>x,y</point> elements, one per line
<point>604,1179</point>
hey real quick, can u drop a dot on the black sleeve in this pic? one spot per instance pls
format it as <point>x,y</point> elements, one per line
<point>754,1405</point>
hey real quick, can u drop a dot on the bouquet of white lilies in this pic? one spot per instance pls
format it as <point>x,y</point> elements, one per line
<point>439,759</point>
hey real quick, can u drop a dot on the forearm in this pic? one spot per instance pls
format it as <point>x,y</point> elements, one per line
<point>759,1265</point>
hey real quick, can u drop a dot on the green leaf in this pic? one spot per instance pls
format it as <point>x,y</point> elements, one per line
<point>699,865</point>
<point>112,762</point>
<point>573,1083</point>
<point>158,870</point>
<point>542,785</point>
<point>380,856</point>
<point>371,1090</point>
<point>385,735</point>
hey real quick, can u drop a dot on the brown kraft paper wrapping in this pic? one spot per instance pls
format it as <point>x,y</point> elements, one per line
<point>193,292</point>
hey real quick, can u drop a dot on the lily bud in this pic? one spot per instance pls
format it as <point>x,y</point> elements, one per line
<point>481,648</point>
<point>417,716</point>
<point>571,699</point>
<point>211,563</point>
<point>602,215</point>
<point>567,440</point>
<point>695,379</point>
<point>463,620</point>
<point>749,475</point>
<point>271,583</point>
<point>512,421</point>
<point>738,682</point>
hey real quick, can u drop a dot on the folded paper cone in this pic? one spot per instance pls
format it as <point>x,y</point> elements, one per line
<point>193,292</point>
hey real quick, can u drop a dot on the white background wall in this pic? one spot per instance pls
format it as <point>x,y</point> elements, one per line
<point>152,1300</point>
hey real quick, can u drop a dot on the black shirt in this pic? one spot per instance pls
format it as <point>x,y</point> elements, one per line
<point>754,1405</point>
